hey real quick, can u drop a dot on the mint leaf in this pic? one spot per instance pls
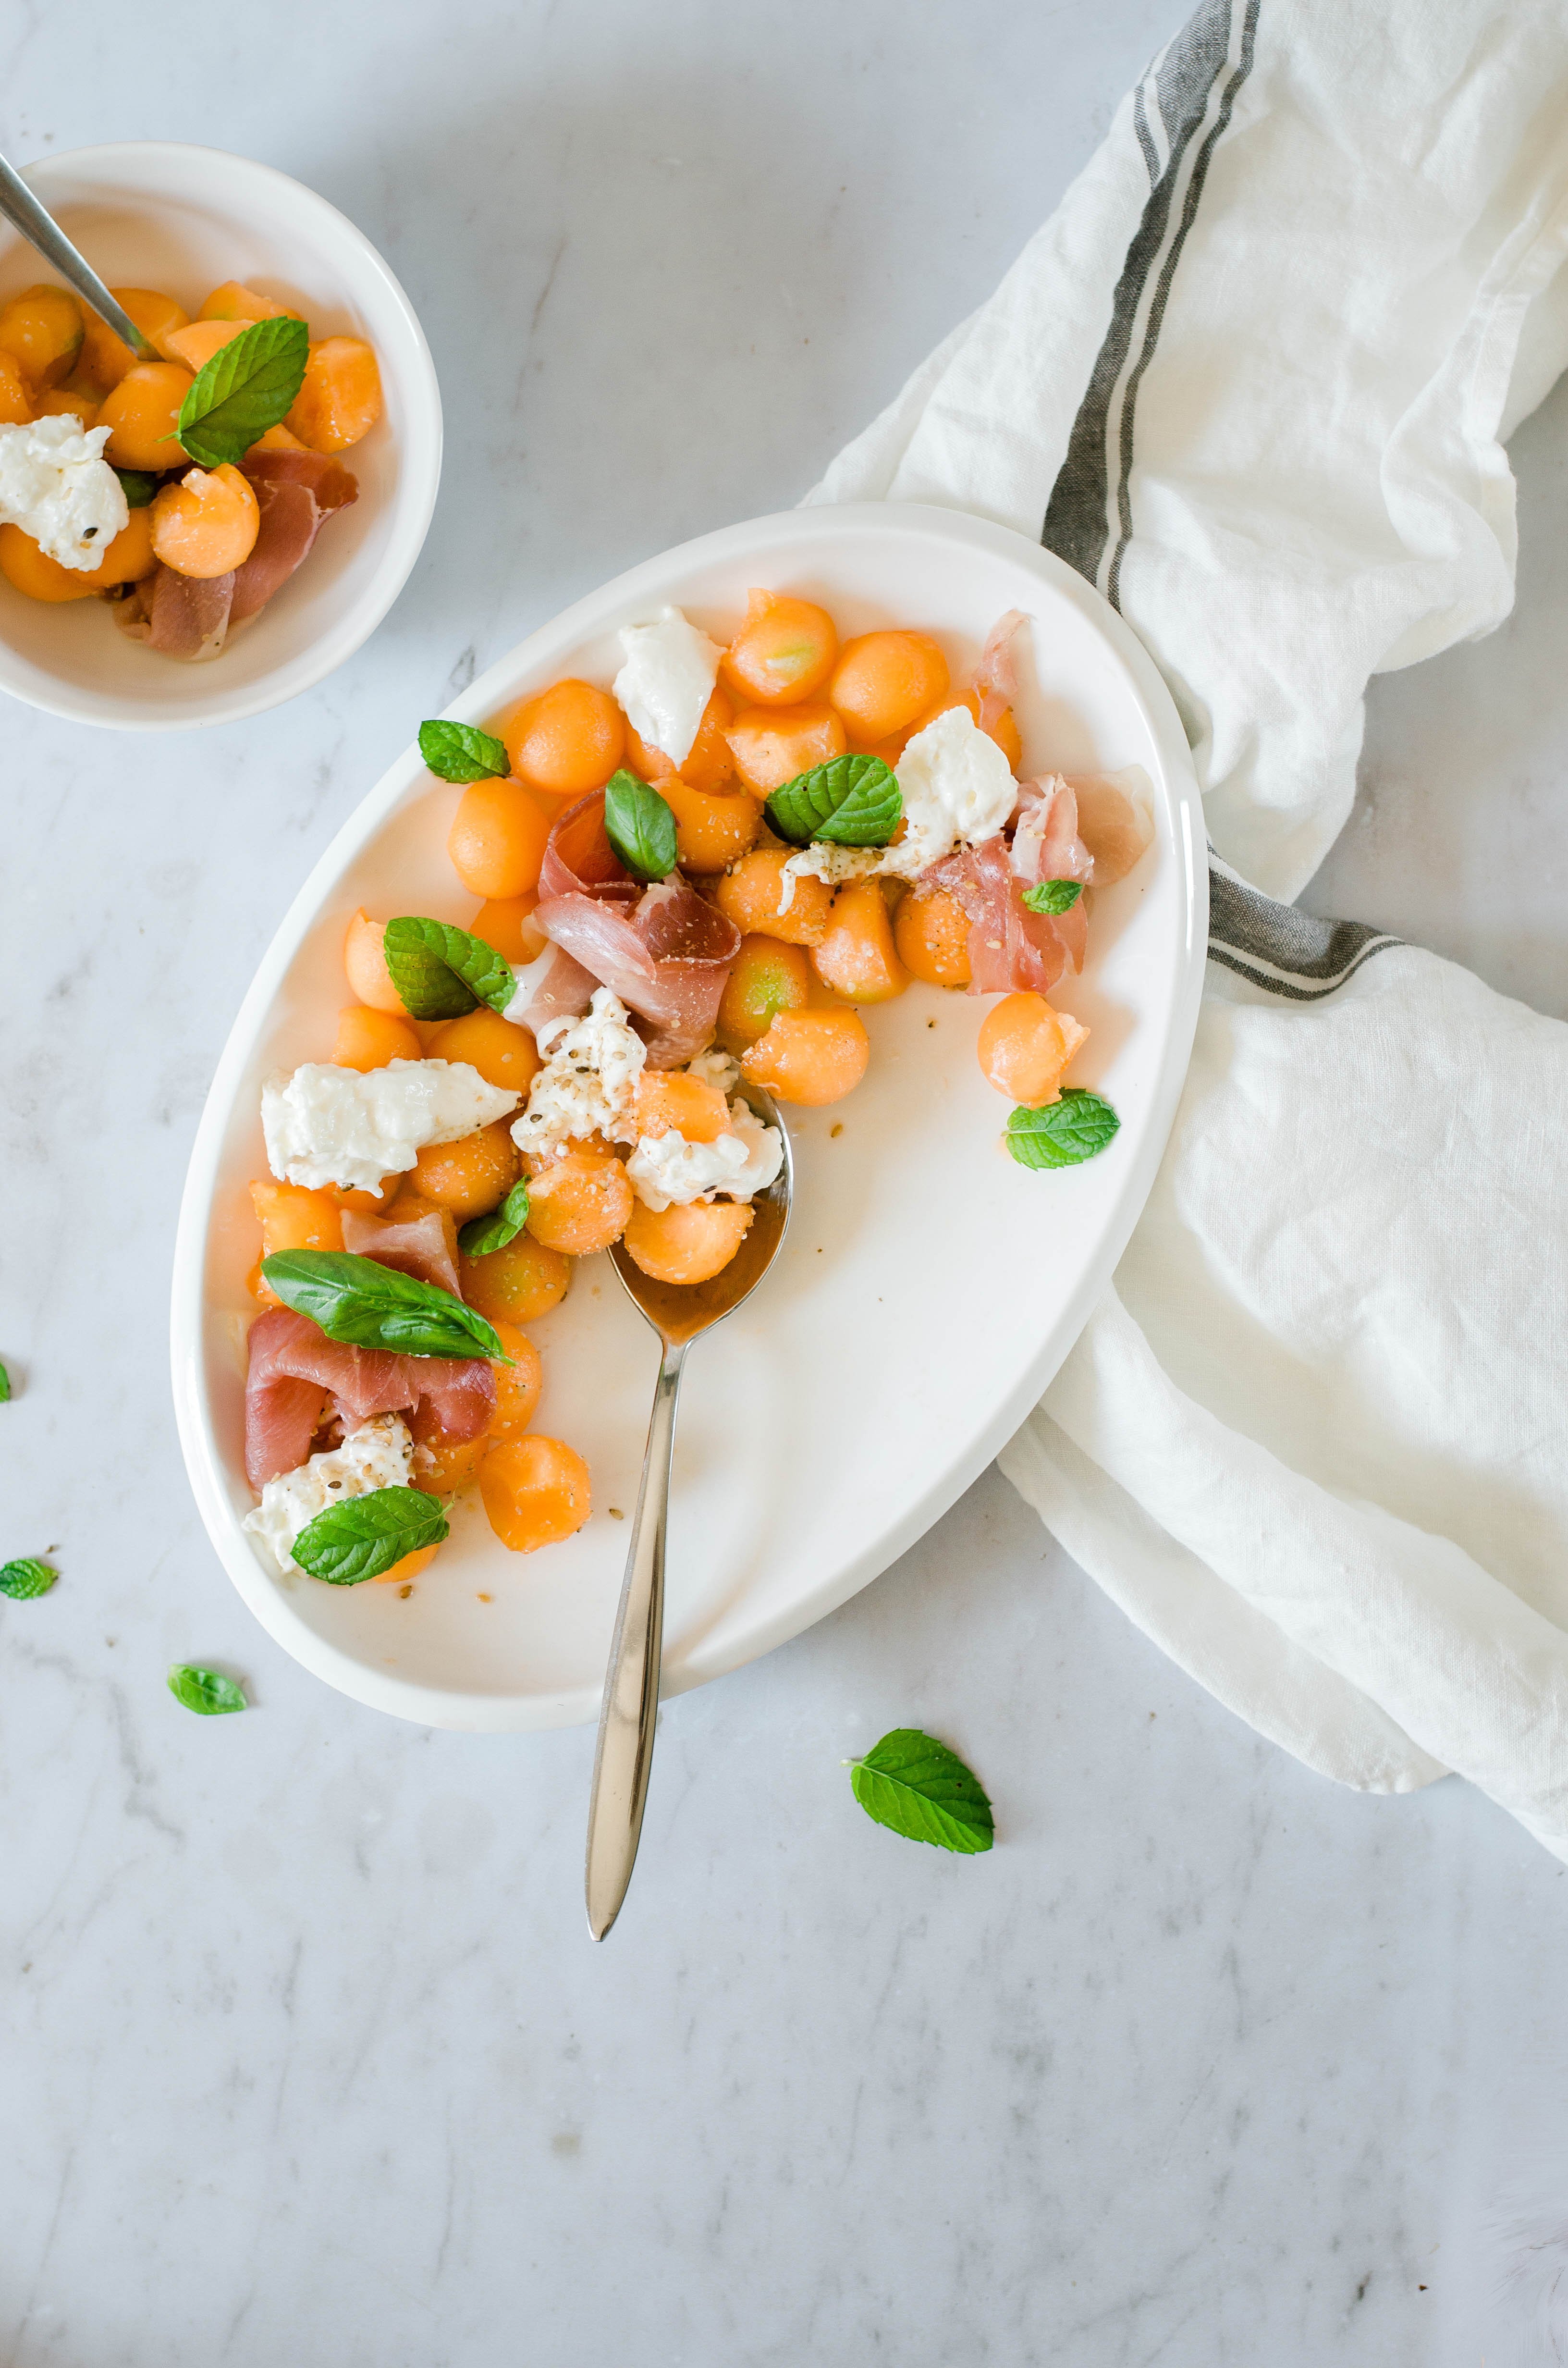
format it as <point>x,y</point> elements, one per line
<point>640,826</point>
<point>360,1537</point>
<point>22,1580</point>
<point>919,1788</point>
<point>482,1235</point>
<point>246,388</point>
<point>138,485</point>
<point>849,802</point>
<point>460,752</point>
<point>374,1306</point>
<point>1062,1133</point>
<point>207,1692</point>
<point>1053,896</point>
<point>441,972</point>
<point>5,1385</point>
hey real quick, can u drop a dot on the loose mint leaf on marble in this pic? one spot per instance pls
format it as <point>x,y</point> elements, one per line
<point>360,1537</point>
<point>206,1692</point>
<point>461,751</point>
<point>22,1580</point>
<point>138,485</point>
<point>374,1306</point>
<point>1053,896</point>
<point>5,1385</point>
<point>1064,1134</point>
<point>246,388</point>
<point>640,826</point>
<point>849,802</point>
<point>916,1785</point>
<point>482,1235</point>
<point>441,972</point>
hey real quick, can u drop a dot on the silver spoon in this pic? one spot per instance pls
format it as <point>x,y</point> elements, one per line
<point>39,228</point>
<point>679,1314</point>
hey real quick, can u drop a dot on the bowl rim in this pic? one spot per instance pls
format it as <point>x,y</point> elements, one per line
<point>451,1708</point>
<point>412,502</point>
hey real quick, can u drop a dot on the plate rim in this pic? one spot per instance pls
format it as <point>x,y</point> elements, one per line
<point>444,1708</point>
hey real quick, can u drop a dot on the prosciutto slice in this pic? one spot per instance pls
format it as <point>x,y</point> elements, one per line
<point>292,1365</point>
<point>294,492</point>
<point>1115,821</point>
<point>418,1246</point>
<point>1046,845</point>
<point>1010,949</point>
<point>995,681</point>
<point>181,616</point>
<point>664,950</point>
<point>552,986</point>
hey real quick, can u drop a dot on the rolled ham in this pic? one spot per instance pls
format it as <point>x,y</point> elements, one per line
<point>293,1365</point>
<point>1046,845</point>
<point>179,616</point>
<point>417,1245</point>
<point>664,950</point>
<point>294,492</point>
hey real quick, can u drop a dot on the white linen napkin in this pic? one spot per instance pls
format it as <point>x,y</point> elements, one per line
<point>1254,379</point>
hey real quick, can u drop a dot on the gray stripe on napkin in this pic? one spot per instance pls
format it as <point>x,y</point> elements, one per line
<point>1278,947</point>
<point>1173,99</point>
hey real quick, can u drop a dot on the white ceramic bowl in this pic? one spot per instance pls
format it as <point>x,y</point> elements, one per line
<point>928,1287</point>
<point>156,214</point>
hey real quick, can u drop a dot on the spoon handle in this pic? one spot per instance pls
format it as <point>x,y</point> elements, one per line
<point>21,208</point>
<point>632,1681</point>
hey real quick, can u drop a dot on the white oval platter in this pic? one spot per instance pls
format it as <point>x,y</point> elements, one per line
<point>929,1286</point>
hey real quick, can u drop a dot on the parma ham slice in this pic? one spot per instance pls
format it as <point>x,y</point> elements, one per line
<point>293,1364</point>
<point>1115,820</point>
<point>295,492</point>
<point>1046,845</point>
<point>179,616</point>
<point>552,986</point>
<point>422,1247</point>
<point>996,680</point>
<point>1010,949</point>
<point>664,950</point>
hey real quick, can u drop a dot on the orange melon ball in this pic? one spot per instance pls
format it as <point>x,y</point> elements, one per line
<point>207,524</point>
<point>772,746</point>
<point>686,1245</point>
<point>503,1053</point>
<point>536,1491</point>
<point>42,330</point>
<point>518,1386</point>
<point>518,1284</point>
<point>340,400</point>
<point>883,681</point>
<point>765,977</point>
<point>1024,1045</point>
<point>566,740</point>
<point>751,895</point>
<point>579,1203</point>
<point>670,1102</point>
<point>105,354</point>
<point>142,413</point>
<point>471,1176</point>
<point>932,936</point>
<point>783,652</point>
<point>368,1040</point>
<point>497,838</point>
<point>365,960</point>
<point>857,956</point>
<point>808,1056</point>
<point>712,828</point>
<point>507,924</point>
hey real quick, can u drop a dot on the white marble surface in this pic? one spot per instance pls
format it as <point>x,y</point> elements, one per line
<point>305,2054</point>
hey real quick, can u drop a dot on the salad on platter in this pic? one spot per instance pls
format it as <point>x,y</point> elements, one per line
<point>692,883</point>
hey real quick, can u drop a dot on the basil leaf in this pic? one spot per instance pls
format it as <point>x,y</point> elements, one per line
<point>919,1788</point>
<point>360,1537</point>
<point>374,1306</point>
<point>460,752</point>
<point>850,802</point>
<point>441,972</point>
<point>246,388</point>
<point>1064,1132</point>
<point>482,1235</point>
<point>5,1385</point>
<point>22,1580</point>
<point>207,1692</point>
<point>138,485</point>
<point>640,826</point>
<point>1053,896</point>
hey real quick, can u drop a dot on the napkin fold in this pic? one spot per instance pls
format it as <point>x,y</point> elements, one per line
<point>1254,380</point>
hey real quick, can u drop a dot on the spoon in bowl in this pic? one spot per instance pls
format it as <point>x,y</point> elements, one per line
<point>39,227</point>
<point>679,1313</point>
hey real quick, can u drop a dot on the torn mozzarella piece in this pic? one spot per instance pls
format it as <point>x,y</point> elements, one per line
<point>716,1067</point>
<point>56,485</point>
<point>377,1455</point>
<point>666,1169</point>
<point>589,1082</point>
<point>326,1126</point>
<point>958,790</point>
<point>666,681</point>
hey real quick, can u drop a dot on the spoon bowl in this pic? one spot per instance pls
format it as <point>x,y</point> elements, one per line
<point>680,1313</point>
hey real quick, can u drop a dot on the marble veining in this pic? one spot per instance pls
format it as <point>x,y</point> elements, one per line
<point>306,2056</point>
